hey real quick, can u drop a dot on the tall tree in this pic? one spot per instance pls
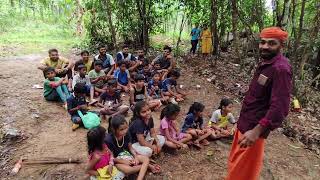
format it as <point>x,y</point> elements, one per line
<point>109,14</point>
<point>214,21</point>
<point>235,32</point>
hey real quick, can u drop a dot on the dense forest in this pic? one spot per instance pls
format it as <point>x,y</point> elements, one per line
<point>234,23</point>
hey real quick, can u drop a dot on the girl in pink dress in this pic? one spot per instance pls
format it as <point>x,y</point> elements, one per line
<point>174,138</point>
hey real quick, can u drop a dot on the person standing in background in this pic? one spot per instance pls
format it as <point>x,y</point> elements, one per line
<point>206,42</point>
<point>195,35</point>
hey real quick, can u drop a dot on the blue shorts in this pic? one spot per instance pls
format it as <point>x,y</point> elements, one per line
<point>75,119</point>
<point>88,87</point>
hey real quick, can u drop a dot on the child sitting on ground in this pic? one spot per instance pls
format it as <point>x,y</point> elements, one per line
<point>119,141</point>
<point>146,72</point>
<point>157,68</point>
<point>123,76</point>
<point>169,87</point>
<point>81,77</point>
<point>154,88</point>
<point>169,130</point>
<point>77,102</point>
<point>138,93</point>
<point>101,161</point>
<point>144,137</point>
<point>55,88</point>
<point>221,118</point>
<point>193,124</point>
<point>97,77</point>
<point>111,101</point>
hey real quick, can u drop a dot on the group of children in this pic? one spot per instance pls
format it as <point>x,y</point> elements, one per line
<point>128,146</point>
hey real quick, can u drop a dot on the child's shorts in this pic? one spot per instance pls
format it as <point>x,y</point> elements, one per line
<point>75,118</point>
<point>180,136</point>
<point>88,87</point>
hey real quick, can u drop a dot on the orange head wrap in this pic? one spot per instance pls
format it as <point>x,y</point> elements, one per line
<point>274,32</point>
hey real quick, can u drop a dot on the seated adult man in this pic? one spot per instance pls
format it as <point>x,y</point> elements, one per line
<point>85,60</point>
<point>166,60</point>
<point>108,64</point>
<point>61,65</point>
<point>124,55</point>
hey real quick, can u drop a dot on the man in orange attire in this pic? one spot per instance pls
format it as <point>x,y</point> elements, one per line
<point>265,106</point>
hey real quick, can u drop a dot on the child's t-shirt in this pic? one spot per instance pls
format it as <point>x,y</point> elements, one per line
<point>115,98</point>
<point>168,83</point>
<point>138,126</point>
<point>165,123</point>
<point>47,87</point>
<point>93,74</point>
<point>104,159</point>
<point>73,102</point>
<point>222,121</point>
<point>122,77</point>
<point>190,122</point>
<point>158,84</point>
<point>139,95</point>
<point>78,79</point>
<point>119,146</point>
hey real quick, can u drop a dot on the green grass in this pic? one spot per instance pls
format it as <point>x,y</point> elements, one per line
<point>29,37</point>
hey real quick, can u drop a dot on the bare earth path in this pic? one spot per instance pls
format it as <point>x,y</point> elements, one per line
<point>48,128</point>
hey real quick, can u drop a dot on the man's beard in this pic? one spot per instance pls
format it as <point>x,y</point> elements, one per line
<point>268,54</point>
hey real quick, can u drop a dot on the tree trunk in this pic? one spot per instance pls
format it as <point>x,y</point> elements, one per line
<point>307,52</point>
<point>234,30</point>
<point>79,15</point>
<point>180,31</point>
<point>113,31</point>
<point>214,19</point>
<point>285,13</point>
<point>260,15</point>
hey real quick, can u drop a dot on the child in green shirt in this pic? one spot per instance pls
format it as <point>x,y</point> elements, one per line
<point>55,88</point>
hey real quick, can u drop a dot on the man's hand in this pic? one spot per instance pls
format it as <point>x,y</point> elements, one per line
<point>249,138</point>
<point>58,71</point>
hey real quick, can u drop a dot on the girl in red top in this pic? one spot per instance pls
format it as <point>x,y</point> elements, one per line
<point>101,158</point>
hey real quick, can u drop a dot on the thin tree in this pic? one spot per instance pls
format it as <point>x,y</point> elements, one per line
<point>235,31</point>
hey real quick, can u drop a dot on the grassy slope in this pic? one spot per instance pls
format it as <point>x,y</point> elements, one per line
<point>34,36</point>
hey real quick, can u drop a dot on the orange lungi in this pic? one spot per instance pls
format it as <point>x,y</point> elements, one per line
<point>245,163</point>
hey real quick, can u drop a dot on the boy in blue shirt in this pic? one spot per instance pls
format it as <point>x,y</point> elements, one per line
<point>77,102</point>
<point>195,34</point>
<point>123,76</point>
<point>169,87</point>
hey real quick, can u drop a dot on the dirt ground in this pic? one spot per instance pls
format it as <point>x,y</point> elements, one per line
<point>47,131</point>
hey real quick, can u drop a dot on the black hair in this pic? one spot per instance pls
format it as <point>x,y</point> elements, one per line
<point>196,107</point>
<point>115,122</point>
<point>48,69</point>
<point>80,66</point>
<point>121,63</point>
<point>84,52</point>
<point>80,88</point>
<point>111,82</point>
<point>125,46</point>
<point>174,73</point>
<point>157,62</point>
<point>139,77</point>
<point>53,50</point>
<point>145,63</point>
<point>166,47</point>
<point>137,110</point>
<point>101,46</point>
<point>169,110</point>
<point>224,102</point>
<point>95,138</point>
<point>96,63</point>
<point>156,72</point>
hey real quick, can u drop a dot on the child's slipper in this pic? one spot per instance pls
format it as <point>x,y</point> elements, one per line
<point>65,106</point>
<point>197,145</point>
<point>75,126</point>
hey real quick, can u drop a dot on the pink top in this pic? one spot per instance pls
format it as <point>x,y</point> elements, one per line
<point>167,124</point>
<point>104,159</point>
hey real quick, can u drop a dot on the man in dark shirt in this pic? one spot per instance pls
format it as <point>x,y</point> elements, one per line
<point>265,106</point>
<point>166,60</point>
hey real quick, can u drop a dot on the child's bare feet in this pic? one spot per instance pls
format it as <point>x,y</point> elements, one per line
<point>92,102</point>
<point>205,142</point>
<point>65,106</point>
<point>197,145</point>
<point>155,168</point>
